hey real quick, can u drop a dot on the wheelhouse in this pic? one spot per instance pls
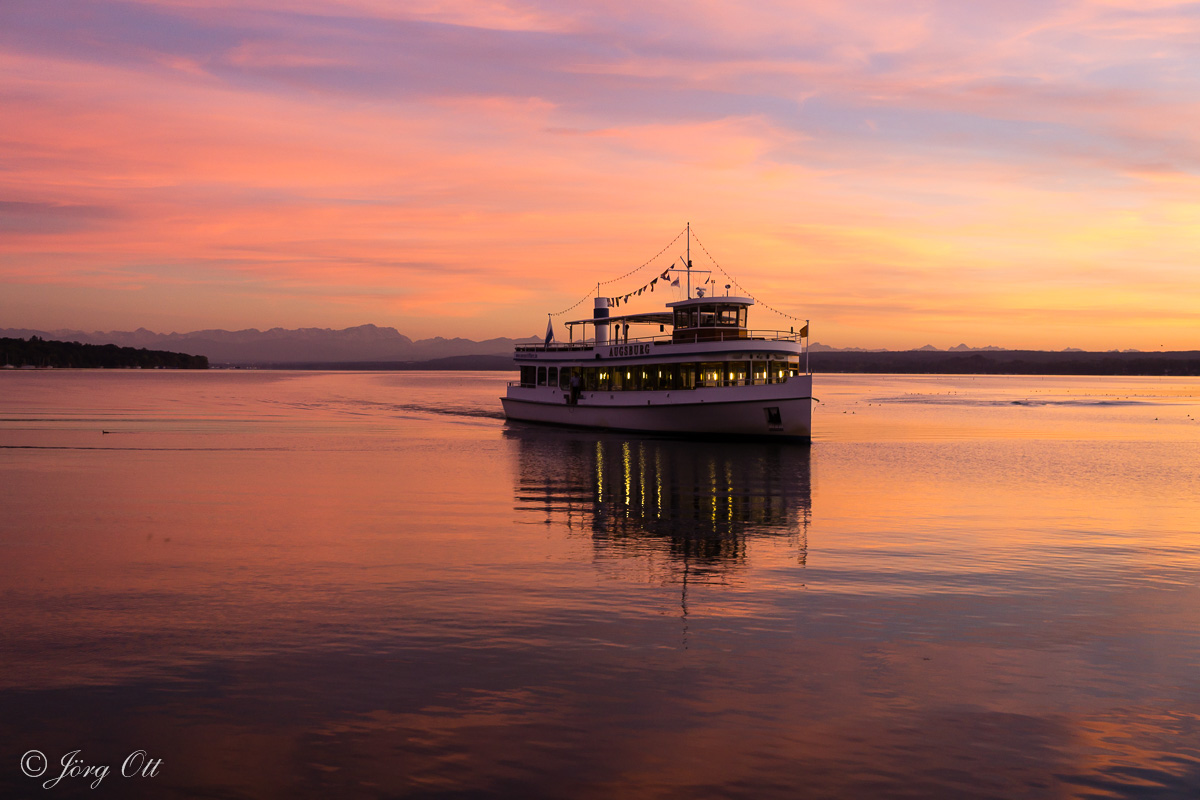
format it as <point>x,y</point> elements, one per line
<point>708,319</point>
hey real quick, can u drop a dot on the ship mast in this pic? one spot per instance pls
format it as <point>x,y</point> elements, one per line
<point>689,258</point>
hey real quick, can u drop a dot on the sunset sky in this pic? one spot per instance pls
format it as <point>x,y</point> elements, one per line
<point>1024,174</point>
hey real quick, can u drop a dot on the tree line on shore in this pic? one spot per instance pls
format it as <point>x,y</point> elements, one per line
<point>39,352</point>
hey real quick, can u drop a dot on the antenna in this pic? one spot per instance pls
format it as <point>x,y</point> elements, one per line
<point>687,263</point>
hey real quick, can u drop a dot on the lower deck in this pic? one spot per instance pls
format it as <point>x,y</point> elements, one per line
<point>679,376</point>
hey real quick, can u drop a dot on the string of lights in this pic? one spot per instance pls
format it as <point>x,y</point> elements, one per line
<point>744,290</point>
<point>633,271</point>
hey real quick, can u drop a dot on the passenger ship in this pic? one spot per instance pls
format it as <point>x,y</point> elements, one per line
<point>711,375</point>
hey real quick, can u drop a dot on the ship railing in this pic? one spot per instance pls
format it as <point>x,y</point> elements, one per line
<point>700,383</point>
<point>555,347</point>
<point>708,335</point>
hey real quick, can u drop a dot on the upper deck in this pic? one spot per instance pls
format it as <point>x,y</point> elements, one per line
<point>740,337</point>
<point>698,324</point>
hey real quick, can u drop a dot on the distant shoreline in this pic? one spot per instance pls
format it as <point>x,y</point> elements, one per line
<point>37,352</point>
<point>1010,362</point>
<point>908,362</point>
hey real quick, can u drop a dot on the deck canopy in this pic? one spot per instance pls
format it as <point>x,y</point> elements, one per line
<point>652,318</point>
<point>692,320</point>
<point>712,300</point>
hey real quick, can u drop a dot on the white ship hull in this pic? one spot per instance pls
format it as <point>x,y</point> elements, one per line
<point>779,410</point>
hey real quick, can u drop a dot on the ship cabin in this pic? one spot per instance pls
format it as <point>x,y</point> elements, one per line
<point>698,319</point>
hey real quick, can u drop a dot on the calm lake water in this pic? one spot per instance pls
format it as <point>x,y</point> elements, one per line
<point>344,585</point>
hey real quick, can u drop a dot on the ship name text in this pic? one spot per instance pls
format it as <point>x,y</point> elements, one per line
<point>629,350</point>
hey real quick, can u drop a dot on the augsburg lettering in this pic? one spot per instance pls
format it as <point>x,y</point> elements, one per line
<point>629,350</point>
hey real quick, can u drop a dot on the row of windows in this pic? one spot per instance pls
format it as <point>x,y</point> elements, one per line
<point>733,316</point>
<point>663,377</point>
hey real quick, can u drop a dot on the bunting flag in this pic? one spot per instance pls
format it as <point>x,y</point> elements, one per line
<point>615,302</point>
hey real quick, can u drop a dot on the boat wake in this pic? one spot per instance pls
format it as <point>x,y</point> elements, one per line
<point>996,402</point>
<point>450,411</point>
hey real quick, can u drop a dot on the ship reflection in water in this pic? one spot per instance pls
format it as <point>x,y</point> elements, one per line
<point>699,503</point>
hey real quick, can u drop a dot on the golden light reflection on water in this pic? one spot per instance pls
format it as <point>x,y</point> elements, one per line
<point>649,497</point>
